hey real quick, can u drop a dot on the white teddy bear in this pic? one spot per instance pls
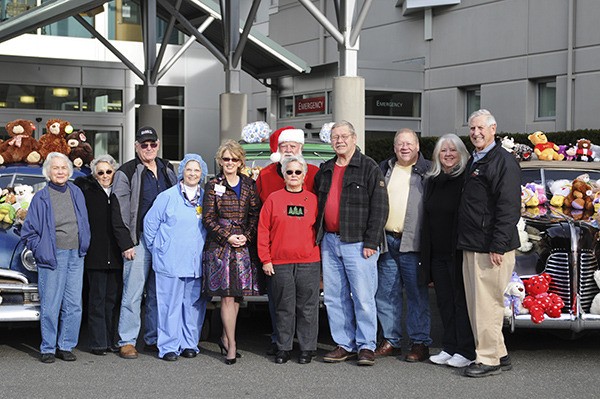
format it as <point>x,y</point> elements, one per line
<point>508,143</point>
<point>595,308</point>
<point>514,295</point>
<point>526,245</point>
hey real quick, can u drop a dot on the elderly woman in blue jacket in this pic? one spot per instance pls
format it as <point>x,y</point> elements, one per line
<point>57,231</point>
<point>175,236</point>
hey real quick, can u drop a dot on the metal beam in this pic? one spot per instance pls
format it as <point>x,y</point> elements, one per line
<point>359,22</point>
<point>109,46</point>
<point>192,31</point>
<point>322,19</point>
<point>244,36</point>
<point>163,45</point>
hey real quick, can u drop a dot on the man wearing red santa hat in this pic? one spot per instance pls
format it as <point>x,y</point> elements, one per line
<point>284,142</point>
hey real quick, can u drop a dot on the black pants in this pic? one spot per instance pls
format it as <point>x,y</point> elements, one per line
<point>295,293</point>
<point>105,288</point>
<point>446,274</point>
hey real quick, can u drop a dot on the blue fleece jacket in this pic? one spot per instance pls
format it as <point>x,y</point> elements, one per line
<point>39,229</point>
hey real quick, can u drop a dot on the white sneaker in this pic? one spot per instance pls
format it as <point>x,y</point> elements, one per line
<point>440,358</point>
<point>459,361</point>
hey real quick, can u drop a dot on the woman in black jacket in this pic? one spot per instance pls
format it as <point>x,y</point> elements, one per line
<point>440,260</point>
<point>103,263</point>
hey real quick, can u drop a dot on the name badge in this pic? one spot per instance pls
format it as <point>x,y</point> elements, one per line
<point>219,189</point>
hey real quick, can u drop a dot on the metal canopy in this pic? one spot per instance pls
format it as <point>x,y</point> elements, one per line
<point>262,58</point>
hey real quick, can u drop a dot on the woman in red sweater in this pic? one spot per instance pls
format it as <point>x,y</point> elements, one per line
<point>291,258</point>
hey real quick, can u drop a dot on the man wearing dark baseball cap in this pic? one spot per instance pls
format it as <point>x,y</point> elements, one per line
<point>135,187</point>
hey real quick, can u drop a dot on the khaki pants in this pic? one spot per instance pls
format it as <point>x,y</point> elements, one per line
<point>484,289</point>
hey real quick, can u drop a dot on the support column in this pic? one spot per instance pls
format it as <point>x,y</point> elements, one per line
<point>151,115</point>
<point>349,104</point>
<point>233,115</point>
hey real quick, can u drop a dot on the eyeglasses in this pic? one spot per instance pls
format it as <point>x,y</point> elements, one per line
<point>146,145</point>
<point>291,172</point>
<point>227,159</point>
<point>342,137</point>
<point>102,172</point>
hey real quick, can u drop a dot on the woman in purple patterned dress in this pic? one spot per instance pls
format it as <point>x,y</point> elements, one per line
<point>230,214</point>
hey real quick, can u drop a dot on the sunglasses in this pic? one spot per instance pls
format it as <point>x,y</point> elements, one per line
<point>227,159</point>
<point>101,172</point>
<point>146,145</point>
<point>291,172</point>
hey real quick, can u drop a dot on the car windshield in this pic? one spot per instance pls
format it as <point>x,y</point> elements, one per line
<point>12,180</point>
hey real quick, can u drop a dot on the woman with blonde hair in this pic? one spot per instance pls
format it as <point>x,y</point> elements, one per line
<point>230,214</point>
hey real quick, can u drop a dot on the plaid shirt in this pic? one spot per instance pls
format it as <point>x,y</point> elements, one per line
<point>363,202</point>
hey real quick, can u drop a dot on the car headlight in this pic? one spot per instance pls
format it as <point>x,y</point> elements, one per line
<point>28,260</point>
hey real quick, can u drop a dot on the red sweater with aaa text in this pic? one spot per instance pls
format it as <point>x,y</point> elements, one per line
<point>286,232</point>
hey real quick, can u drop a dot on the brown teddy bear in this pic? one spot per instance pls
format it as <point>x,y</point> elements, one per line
<point>580,196</point>
<point>544,149</point>
<point>584,150</point>
<point>54,138</point>
<point>22,146</point>
<point>81,152</point>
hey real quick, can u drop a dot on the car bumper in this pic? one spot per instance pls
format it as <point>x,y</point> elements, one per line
<point>19,313</point>
<point>564,322</point>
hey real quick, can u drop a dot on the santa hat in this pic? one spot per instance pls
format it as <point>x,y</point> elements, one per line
<point>285,134</point>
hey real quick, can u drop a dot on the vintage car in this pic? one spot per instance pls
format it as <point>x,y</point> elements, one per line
<point>565,246</point>
<point>19,298</point>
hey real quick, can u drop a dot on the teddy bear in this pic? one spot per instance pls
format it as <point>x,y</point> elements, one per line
<point>23,197</point>
<point>508,143</point>
<point>580,196</point>
<point>22,146</point>
<point>595,307</point>
<point>522,152</point>
<point>528,197</point>
<point>54,138</point>
<point>7,213</point>
<point>538,301</point>
<point>81,151</point>
<point>584,150</point>
<point>559,189</point>
<point>513,297</point>
<point>544,149</point>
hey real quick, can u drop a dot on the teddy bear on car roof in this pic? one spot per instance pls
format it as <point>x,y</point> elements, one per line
<point>54,138</point>
<point>22,146</point>
<point>81,151</point>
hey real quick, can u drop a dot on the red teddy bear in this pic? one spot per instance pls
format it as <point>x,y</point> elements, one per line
<point>539,301</point>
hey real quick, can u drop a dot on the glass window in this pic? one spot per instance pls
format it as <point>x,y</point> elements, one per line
<point>102,100</point>
<point>172,134</point>
<point>473,101</point>
<point>546,99</point>
<point>103,141</point>
<point>392,103</point>
<point>13,8</point>
<point>286,107</point>
<point>166,95</point>
<point>69,26</point>
<point>39,97</point>
<point>125,23</point>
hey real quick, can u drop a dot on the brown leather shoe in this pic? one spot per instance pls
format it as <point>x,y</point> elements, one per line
<point>337,355</point>
<point>128,352</point>
<point>366,357</point>
<point>386,349</point>
<point>418,353</point>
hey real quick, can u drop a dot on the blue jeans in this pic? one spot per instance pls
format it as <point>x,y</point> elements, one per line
<point>349,285</point>
<point>135,274</point>
<point>60,300</point>
<point>399,270</point>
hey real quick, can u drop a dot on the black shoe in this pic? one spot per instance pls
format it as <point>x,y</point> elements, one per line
<point>189,353</point>
<point>306,357</point>
<point>482,370</point>
<point>67,356</point>
<point>170,356</point>
<point>47,358</point>
<point>224,349</point>
<point>282,357</point>
<point>229,362</point>
<point>505,363</point>
<point>272,351</point>
<point>113,349</point>
<point>98,352</point>
<point>150,348</point>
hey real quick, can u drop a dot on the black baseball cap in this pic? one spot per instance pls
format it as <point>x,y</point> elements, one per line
<point>146,133</point>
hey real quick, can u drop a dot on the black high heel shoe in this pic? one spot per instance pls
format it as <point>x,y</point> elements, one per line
<point>224,351</point>
<point>229,362</point>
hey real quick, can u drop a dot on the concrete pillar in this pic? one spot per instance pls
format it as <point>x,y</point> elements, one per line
<point>233,115</point>
<point>349,104</point>
<point>150,115</point>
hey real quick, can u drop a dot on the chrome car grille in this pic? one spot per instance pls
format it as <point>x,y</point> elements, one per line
<point>558,267</point>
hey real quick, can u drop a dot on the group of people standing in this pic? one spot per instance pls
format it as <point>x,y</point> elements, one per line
<point>379,231</point>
